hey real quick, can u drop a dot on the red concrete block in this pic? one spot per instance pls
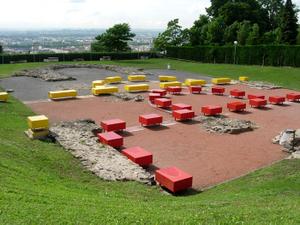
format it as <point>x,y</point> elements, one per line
<point>174,89</point>
<point>257,102</point>
<point>178,106</point>
<point>159,91</point>
<point>293,97</point>
<point>163,102</point>
<point>276,100</point>
<point>150,119</point>
<point>236,106</point>
<point>113,125</point>
<point>195,89</point>
<point>174,179</point>
<point>218,90</point>
<point>183,114</point>
<point>237,93</point>
<point>153,96</point>
<point>256,96</point>
<point>139,156</point>
<point>211,110</point>
<point>111,138</point>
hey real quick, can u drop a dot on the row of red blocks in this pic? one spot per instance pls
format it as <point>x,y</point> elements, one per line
<point>171,178</point>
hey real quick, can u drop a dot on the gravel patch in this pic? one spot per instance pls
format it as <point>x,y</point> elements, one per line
<point>261,85</point>
<point>55,73</point>
<point>221,124</point>
<point>78,137</point>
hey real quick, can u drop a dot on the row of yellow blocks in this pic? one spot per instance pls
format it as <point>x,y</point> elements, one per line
<point>118,79</point>
<point>99,88</point>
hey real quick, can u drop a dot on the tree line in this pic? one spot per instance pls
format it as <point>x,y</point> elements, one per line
<point>244,22</point>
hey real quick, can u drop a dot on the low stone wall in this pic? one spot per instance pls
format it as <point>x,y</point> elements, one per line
<point>79,138</point>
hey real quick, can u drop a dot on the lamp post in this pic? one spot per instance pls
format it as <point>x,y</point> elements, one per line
<point>234,56</point>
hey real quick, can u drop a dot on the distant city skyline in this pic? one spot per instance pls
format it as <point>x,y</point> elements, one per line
<point>90,14</point>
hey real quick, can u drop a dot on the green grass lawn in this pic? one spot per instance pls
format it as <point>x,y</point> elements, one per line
<point>284,76</point>
<point>40,183</point>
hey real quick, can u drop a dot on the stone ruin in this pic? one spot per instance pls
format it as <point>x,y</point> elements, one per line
<point>52,73</point>
<point>221,124</point>
<point>289,139</point>
<point>79,138</point>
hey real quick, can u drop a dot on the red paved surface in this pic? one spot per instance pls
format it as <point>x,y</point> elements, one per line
<point>210,158</point>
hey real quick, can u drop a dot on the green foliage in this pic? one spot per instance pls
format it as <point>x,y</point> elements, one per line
<point>215,31</point>
<point>289,25</point>
<point>231,31</point>
<point>115,39</point>
<point>198,32</point>
<point>216,5</point>
<point>273,9</point>
<point>269,55</point>
<point>1,49</point>
<point>174,35</point>
<point>243,32</point>
<point>254,36</point>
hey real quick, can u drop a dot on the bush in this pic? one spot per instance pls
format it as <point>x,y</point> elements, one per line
<point>86,56</point>
<point>268,55</point>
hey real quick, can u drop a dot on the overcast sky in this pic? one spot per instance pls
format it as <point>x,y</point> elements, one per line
<point>146,14</point>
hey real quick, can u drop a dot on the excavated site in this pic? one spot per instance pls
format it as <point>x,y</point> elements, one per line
<point>214,149</point>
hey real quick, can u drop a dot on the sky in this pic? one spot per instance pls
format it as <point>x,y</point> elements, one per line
<point>86,14</point>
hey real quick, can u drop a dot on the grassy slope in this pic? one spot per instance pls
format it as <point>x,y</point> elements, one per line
<point>40,183</point>
<point>287,77</point>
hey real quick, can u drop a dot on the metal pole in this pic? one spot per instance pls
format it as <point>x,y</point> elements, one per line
<point>234,57</point>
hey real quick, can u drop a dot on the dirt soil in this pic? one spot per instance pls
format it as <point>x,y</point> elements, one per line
<point>210,157</point>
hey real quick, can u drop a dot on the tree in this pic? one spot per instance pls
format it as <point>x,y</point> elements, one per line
<point>198,32</point>
<point>289,25</point>
<point>1,49</point>
<point>243,32</point>
<point>215,32</point>
<point>215,7</point>
<point>253,38</point>
<point>174,35</point>
<point>115,39</point>
<point>230,34</point>
<point>273,9</point>
<point>298,36</point>
<point>241,10</point>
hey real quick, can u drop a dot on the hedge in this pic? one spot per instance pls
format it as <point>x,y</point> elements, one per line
<point>86,56</point>
<point>268,55</point>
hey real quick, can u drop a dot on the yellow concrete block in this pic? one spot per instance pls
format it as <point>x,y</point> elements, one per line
<point>165,78</point>
<point>194,82</point>
<point>223,80</point>
<point>98,83</point>
<point>136,78</point>
<point>37,134</point>
<point>3,96</point>
<point>244,78</point>
<point>62,94</point>
<point>169,84</point>
<point>113,80</point>
<point>136,87</point>
<point>38,122</point>
<point>102,90</point>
